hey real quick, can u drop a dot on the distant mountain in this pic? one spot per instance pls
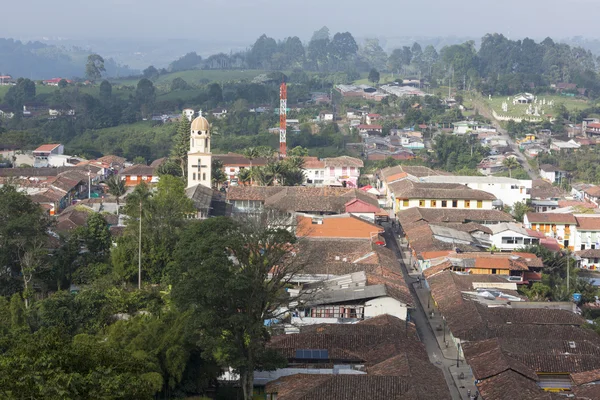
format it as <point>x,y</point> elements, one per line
<point>36,60</point>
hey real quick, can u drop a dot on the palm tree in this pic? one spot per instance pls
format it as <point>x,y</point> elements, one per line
<point>510,163</point>
<point>218,176</point>
<point>135,205</point>
<point>116,187</point>
<point>251,153</point>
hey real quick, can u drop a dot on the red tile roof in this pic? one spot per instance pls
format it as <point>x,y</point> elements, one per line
<point>47,147</point>
<point>369,127</point>
<point>588,223</point>
<point>359,206</point>
<point>547,218</point>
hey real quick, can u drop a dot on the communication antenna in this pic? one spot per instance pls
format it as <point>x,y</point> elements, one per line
<point>282,119</point>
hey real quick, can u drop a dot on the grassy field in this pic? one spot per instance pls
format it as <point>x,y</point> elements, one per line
<point>195,77</point>
<point>518,110</point>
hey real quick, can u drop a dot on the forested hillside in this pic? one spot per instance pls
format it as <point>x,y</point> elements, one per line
<point>36,60</point>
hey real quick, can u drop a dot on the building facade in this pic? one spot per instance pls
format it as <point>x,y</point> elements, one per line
<point>199,156</point>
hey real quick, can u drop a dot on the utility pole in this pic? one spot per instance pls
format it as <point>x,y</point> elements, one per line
<point>568,272</point>
<point>140,251</point>
<point>89,183</point>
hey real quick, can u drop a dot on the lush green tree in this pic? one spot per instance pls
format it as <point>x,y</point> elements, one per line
<point>96,235</point>
<point>179,84</point>
<point>373,54</point>
<point>145,95</point>
<point>294,52</point>
<point>298,151</point>
<point>164,214</point>
<point>215,93</point>
<point>105,91</point>
<point>116,187</point>
<point>17,312</point>
<point>241,269</point>
<point>318,53</point>
<point>63,83</point>
<point>374,76</point>
<point>151,73</point>
<point>187,62</point>
<point>262,51</point>
<point>23,236</point>
<point>94,67</point>
<point>510,163</point>
<point>519,209</point>
<point>218,174</point>
<point>181,144</point>
<point>343,46</point>
<point>22,92</point>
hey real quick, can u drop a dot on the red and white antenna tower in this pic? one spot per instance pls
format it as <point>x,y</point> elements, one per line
<point>282,119</point>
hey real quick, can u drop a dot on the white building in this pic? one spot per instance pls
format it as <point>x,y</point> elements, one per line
<point>508,236</point>
<point>199,156</point>
<point>559,226</point>
<point>409,194</point>
<point>189,113</point>
<point>464,127</point>
<point>336,171</point>
<point>508,190</point>
<point>551,173</point>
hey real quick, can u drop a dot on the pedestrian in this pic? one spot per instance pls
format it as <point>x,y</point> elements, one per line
<point>477,395</point>
<point>469,393</point>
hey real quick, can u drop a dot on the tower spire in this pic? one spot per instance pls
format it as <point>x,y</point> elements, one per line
<point>282,119</point>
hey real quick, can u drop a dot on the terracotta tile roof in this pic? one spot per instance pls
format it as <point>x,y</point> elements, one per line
<point>138,169</point>
<point>549,168</point>
<point>369,127</point>
<point>543,190</point>
<point>257,193</point>
<point>343,161</point>
<point>313,163</point>
<point>486,359</point>
<point>588,223</point>
<point>581,378</point>
<point>407,189</point>
<point>112,160</point>
<point>33,172</point>
<point>47,196</point>
<point>348,387</point>
<point>360,206</point>
<point>511,385</point>
<point>575,203</point>
<point>158,162</point>
<point>46,147</point>
<point>316,199</point>
<point>336,226</point>
<point>239,160</point>
<point>593,191</point>
<point>588,253</point>
<point>416,216</point>
<point>587,392</point>
<point>428,255</point>
<point>556,218</point>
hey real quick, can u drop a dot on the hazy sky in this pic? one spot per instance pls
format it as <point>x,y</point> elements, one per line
<point>244,20</point>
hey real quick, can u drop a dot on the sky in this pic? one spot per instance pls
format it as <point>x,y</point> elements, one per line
<point>244,20</point>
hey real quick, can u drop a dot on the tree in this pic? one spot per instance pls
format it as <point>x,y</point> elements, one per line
<point>251,153</point>
<point>23,229</point>
<point>179,84</point>
<point>145,94</point>
<point>21,93</point>
<point>215,93</point>
<point>294,52</point>
<point>321,34</point>
<point>218,175</point>
<point>63,83</point>
<point>373,54</point>
<point>318,52</point>
<point>262,51</point>
<point>343,46</point>
<point>239,267</point>
<point>17,312</point>
<point>181,144</point>
<point>374,76</point>
<point>510,163</point>
<point>96,235</point>
<point>94,67</point>
<point>105,91</point>
<point>151,73</point>
<point>519,209</point>
<point>298,151</point>
<point>116,187</point>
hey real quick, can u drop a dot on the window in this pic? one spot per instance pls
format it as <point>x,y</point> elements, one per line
<point>421,203</point>
<point>232,169</point>
<point>344,170</point>
<point>133,178</point>
<point>433,203</point>
<point>454,203</point>
<point>444,204</point>
<point>583,247</point>
<point>494,271</point>
<point>204,176</point>
<point>595,261</point>
<point>479,203</point>
<point>194,176</point>
<point>331,171</point>
<point>405,203</point>
<point>467,203</point>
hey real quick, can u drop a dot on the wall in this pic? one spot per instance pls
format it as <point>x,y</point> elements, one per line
<point>504,191</point>
<point>485,204</point>
<point>564,232</point>
<point>587,238</point>
<point>497,240</point>
<point>385,305</point>
<point>516,119</point>
<point>133,180</point>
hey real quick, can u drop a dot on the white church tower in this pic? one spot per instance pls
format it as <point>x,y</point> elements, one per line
<point>199,156</point>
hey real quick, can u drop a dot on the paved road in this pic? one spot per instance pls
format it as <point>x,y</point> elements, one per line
<point>421,321</point>
<point>485,111</point>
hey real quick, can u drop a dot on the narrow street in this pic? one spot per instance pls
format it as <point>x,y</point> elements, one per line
<point>419,318</point>
<point>484,110</point>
